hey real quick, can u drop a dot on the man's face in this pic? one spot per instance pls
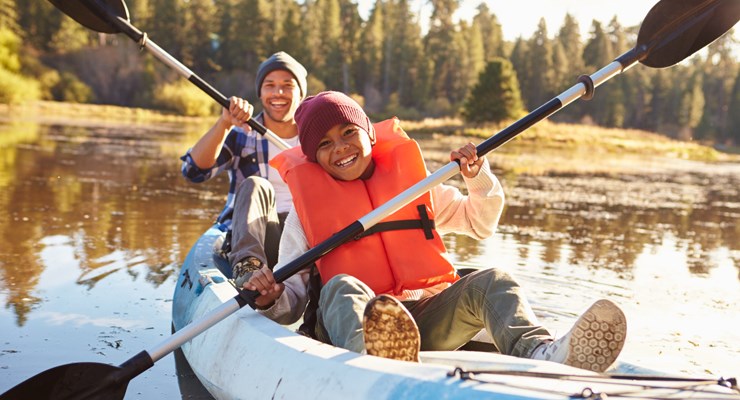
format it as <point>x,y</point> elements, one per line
<point>280,95</point>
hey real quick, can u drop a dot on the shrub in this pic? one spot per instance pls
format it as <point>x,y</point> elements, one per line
<point>17,89</point>
<point>47,81</point>
<point>71,89</point>
<point>9,47</point>
<point>184,98</point>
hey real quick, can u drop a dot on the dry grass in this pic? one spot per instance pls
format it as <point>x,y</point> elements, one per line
<point>544,148</point>
<point>567,148</point>
<point>57,111</point>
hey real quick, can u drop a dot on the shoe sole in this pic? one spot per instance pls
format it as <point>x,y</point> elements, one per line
<point>389,330</point>
<point>597,337</point>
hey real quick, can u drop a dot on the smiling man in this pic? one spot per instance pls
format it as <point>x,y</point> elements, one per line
<point>256,192</point>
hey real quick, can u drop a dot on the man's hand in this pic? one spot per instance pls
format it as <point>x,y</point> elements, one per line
<point>239,112</point>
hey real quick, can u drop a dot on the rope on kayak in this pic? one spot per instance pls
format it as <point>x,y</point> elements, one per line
<point>697,385</point>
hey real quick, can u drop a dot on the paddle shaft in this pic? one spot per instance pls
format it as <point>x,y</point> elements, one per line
<point>142,38</point>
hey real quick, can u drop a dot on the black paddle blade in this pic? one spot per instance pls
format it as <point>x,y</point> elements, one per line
<point>93,381</point>
<point>675,29</point>
<point>87,15</point>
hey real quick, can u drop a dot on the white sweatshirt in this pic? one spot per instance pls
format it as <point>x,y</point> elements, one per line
<point>475,215</point>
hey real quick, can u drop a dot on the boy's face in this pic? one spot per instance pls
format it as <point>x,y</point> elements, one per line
<point>345,153</point>
<point>280,95</point>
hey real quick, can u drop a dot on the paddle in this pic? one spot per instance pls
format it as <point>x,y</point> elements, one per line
<point>111,16</point>
<point>673,30</point>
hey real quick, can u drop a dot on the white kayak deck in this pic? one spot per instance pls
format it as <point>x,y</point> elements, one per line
<point>251,357</point>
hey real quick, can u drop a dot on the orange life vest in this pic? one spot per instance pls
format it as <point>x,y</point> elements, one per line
<point>389,261</point>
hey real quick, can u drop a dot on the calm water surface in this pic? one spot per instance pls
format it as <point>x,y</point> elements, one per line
<point>96,219</point>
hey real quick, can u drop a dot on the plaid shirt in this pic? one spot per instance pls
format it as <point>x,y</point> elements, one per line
<point>244,154</point>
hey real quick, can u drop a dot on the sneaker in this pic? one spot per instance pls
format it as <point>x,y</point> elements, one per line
<point>242,271</point>
<point>593,343</point>
<point>389,330</point>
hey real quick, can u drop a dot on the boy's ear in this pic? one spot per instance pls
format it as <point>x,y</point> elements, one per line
<point>372,135</point>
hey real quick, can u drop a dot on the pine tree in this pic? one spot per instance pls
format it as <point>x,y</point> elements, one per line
<point>292,29</point>
<point>491,32</point>
<point>569,37</point>
<point>719,69</point>
<point>9,17</point>
<point>167,31</point>
<point>227,32</point>
<point>199,23</point>
<point>596,54</point>
<point>440,48</point>
<point>413,67</point>
<point>541,81</point>
<point>370,60</point>
<point>521,62</point>
<point>476,54</point>
<point>496,96</point>
<point>597,51</point>
<point>140,13</point>
<point>734,112</point>
<point>691,105</point>
<point>39,20</point>
<point>71,36</point>
<point>351,24</point>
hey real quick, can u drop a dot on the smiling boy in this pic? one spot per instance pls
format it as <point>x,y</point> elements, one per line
<point>393,291</point>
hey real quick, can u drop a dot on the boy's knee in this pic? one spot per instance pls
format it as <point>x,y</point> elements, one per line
<point>344,284</point>
<point>494,278</point>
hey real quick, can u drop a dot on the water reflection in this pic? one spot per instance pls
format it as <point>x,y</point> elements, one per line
<point>607,222</point>
<point>93,210</point>
<point>108,193</point>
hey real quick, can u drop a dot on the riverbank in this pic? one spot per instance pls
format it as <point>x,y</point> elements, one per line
<point>89,114</point>
<point>545,148</point>
<point>561,148</point>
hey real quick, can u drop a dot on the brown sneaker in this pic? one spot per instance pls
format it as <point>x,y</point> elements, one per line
<point>242,271</point>
<point>390,331</point>
<point>593,343</point>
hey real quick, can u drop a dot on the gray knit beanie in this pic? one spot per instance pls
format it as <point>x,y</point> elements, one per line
<point>282,60</point>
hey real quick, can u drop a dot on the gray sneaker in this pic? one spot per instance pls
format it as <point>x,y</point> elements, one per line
<point>243,270</point>
<point>593,343</point>
<point>389,330</point>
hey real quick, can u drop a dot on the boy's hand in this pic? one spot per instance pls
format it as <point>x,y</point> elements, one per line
<point>263,281</point>
<point>239,112</point>
<point>469,161</point>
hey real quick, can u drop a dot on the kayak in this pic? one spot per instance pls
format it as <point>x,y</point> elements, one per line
<point>248,356</point>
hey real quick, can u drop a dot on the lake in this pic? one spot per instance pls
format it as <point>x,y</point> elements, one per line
<point>95,221</point>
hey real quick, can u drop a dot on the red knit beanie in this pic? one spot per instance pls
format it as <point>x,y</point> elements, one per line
<point>317,114</point>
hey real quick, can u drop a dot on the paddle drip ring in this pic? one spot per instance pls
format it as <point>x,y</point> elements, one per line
<point>589,84</point>
<point>142,41</point>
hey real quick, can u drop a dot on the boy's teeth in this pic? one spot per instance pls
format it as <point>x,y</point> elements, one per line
<point>346,161</point>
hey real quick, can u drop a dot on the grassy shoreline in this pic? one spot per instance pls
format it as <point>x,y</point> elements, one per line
<point>52,110</point>
<point>546,147</point>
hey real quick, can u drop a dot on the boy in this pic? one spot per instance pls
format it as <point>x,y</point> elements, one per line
<point>393,292</point>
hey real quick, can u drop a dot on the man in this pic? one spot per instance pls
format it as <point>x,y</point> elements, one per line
<point>258,200</point>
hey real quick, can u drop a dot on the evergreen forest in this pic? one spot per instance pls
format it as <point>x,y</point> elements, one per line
<point>391,61</point>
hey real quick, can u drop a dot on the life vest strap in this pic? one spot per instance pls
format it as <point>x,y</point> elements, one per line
<point>424,223</point>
